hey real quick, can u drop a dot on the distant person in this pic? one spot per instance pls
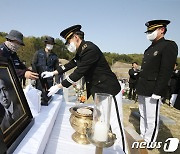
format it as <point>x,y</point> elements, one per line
<point>14,40</point>
<point>174,81</point>
<point>45,60</point>
<point>176,103</point>
<point>133,73</point>
<point>175,97</point>
<point>13,110</point>
<point>156,69</point>
<point>171,90</point>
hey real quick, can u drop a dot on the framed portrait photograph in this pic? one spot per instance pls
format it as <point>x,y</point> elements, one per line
<point>15,116</point>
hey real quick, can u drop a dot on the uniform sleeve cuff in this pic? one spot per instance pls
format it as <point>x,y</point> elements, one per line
<point>60,70</point>
<point>65,83</point>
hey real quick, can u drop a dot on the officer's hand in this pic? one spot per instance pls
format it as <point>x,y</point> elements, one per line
<point>135,73</point>
<point>74,85</point>
<point>47,74</point>
<point>54,89</point>
<point>31,75</point>
<point>155,96</point>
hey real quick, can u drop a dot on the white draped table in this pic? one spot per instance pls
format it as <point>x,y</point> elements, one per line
<point>51,133</point>
<point>60,141</point>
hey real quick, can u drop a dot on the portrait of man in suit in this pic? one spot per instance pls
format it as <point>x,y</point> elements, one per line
<point>12,109</point>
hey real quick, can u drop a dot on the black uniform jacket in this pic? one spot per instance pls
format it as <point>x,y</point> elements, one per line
<point>157,67</point>
<point>20,68</point>
<point>173,82</point>
<point>91,64</point>
<point>42,62</point>
<point>133,78</point>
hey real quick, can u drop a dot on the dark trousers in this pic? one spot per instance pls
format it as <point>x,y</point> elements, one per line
<point>132,91</point>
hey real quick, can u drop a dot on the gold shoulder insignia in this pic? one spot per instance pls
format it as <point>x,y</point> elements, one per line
<point>155,53</point>
<point>84,46</point>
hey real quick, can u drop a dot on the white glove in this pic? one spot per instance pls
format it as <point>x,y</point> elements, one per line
<point>53,90</point>
<point>155,96</point>
<point>173,99</point>
<point>47,74</point>
<point>78,86</point>
<point>135,73</point>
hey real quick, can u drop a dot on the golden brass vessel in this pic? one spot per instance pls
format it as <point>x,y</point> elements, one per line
<point>80,122</point>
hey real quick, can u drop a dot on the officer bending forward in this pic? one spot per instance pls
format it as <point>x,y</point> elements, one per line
<point>99,78</point>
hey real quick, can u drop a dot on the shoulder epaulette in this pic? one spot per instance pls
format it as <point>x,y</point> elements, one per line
<point>84,47</point>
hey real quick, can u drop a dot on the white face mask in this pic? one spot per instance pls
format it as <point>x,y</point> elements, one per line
<point>152,35</point>
<point>49,46</point>
<point>12,46</point>
<point>71,47</point>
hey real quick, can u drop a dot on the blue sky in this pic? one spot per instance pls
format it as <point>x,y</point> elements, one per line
<point>114,25</point>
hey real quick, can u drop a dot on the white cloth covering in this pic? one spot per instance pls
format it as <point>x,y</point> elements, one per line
<point>33,97</point>
<point>60,141</point>
<point>49,138</point>
<point>35,140</point>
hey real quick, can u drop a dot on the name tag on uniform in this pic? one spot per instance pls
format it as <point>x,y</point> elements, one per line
<point>156,53</point>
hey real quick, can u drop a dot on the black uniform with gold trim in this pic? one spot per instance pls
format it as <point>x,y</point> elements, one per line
<point>91,64</point>
<point>157,67</point>
<point>99,78</point>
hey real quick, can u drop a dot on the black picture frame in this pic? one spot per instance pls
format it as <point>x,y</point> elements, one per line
<point>16,126</point>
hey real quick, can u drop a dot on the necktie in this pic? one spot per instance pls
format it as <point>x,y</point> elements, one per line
<point>10,119</point>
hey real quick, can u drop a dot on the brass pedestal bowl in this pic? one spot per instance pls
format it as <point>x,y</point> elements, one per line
<point>81,119</point>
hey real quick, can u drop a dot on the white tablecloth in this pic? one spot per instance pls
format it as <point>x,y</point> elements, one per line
<point>51,133</point>
<point>35,140</point>
<point>60,141</point>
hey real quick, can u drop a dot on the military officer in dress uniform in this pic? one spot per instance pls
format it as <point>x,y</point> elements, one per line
<point>91,64</point>
<point>157,67</point>
<point>8,50</point>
